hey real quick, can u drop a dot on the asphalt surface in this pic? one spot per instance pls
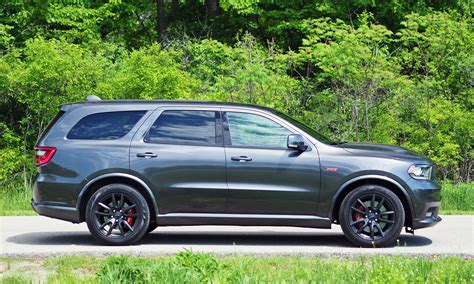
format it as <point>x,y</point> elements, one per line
<point>42,237</point>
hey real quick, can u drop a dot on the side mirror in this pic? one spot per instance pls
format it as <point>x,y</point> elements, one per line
<point>296,142</point>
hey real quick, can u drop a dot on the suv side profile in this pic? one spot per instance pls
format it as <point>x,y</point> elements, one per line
<point>126,167</point>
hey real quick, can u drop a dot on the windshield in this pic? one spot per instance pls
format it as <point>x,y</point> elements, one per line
<point>305,128</point>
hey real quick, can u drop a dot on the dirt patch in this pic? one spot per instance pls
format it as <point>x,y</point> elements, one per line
<point>31,269</point>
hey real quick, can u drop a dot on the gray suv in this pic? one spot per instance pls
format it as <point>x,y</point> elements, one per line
<point>126,167</point>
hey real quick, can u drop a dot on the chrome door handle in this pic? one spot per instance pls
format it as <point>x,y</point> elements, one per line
<point>241,159</point>
<point>147,155</point>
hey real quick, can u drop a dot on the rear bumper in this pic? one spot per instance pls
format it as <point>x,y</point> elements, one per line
<point>58,212</point>
<point>429,216</point>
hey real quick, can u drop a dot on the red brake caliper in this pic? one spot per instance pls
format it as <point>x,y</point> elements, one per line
<point>130,219</point>
<point>358,216</point>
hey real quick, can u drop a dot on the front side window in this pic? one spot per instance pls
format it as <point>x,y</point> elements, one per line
<point>251,130</point>
<point>105,125</point>
<point>185,127</point>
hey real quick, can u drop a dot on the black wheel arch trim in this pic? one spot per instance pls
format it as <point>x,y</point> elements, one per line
<point>369,177</point>
<point>117,175</point>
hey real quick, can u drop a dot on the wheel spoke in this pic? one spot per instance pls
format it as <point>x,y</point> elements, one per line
<point>121,200</point>
<point>372,201</point>
<point>362,228</point>
<point>372,231</point>
<point>357,210</point>
<point>387,213</point>
<point>130,207</point>
<point>114,201</point>
<point>380,230</point>
<point>104,224</point>
<point>386,221</point>
<point>362,203</point>
<point>122,231</point>
<point>105,206</point>
<point>111,228</point>
<point>380,203</point>
<point>102,213</point>
<point>357,222</point>
<point>130,215</point>
<point>128,225</point>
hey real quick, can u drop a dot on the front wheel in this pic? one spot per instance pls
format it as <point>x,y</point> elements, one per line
<point>117,214</point>
<point>371,216</point>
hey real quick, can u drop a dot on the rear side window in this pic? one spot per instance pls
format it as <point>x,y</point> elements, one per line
<point>190,127</point>
<point>105,125</point>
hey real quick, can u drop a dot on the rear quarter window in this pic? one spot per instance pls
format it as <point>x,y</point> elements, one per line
<point>50,125</point>
<point>105,125</point>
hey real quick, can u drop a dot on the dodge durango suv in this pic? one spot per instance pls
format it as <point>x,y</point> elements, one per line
<point>126,167</point>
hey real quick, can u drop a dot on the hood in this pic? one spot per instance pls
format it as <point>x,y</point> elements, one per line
<point>381,150</point>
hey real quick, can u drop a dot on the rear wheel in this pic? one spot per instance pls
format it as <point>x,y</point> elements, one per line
<point>117,214</point>
<point>371,215</point>
<point>151,227</point>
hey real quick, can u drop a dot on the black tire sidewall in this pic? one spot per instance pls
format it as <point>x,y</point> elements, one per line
<point>151,227</point>
<point>140,228</point>
<point>345,220</point>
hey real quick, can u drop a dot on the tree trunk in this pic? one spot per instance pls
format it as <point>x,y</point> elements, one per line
<point>160,19</point>
<point>174,6</point>
<point>212,7</point>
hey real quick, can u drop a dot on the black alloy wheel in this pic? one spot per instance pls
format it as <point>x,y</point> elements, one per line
<point>117,215</point>
<point>372,216</point>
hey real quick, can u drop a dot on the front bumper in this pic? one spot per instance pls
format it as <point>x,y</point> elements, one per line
<point>429,216</point>
<point>58,212</point>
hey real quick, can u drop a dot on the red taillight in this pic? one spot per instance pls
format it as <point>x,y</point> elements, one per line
<point>43,155</point>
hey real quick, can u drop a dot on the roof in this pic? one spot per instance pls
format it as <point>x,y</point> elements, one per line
<point>171,102</point>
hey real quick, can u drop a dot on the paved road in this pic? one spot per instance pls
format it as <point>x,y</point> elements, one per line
<point>41,236</point>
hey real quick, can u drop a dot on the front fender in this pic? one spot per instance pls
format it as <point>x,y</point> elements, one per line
<point>342,190</point>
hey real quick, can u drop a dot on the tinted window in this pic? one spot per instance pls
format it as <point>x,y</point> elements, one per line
<point>184,127</point>
<point>105,125</point>
<point>251,130</point>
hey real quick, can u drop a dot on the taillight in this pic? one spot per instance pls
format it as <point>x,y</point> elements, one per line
<point>43,155</point>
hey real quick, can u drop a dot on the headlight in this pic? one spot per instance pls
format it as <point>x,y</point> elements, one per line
<point>420,171</point>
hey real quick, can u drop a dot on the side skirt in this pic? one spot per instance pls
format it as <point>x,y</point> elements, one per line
<point>190,219</point>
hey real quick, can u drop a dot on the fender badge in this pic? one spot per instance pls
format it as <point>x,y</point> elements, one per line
<point>331,169</point>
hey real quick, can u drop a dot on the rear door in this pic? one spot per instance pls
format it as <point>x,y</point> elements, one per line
<point>263,175</point>
<point>179,152</point>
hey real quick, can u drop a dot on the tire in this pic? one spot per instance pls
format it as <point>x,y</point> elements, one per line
<point>117,214</point>
<point>151,227</point>
<point>371,216</point>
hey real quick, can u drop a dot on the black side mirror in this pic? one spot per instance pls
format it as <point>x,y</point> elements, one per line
<point>296,142</point>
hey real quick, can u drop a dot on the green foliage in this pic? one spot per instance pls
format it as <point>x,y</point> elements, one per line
<point>189,267</point>
<point>244,73</point>
<point>397,72</point>
<point>10,150</point>
<point>148,73</point>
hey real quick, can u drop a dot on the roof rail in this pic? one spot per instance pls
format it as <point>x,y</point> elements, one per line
<point>92,99</point>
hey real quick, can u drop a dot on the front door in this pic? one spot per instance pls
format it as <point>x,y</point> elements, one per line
<point>263,175</point>
<point>180,154</point>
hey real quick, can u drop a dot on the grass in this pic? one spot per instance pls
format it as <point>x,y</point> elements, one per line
<point>457,198</point>
<point>189,267</point>
<point>15,200</point>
